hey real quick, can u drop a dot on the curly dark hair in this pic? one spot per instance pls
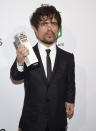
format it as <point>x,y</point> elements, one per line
<point>45,10</point>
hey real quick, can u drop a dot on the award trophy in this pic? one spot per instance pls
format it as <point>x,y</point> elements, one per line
<point>31,59</point>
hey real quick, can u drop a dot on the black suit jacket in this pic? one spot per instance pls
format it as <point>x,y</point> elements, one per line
<point>44,102</point>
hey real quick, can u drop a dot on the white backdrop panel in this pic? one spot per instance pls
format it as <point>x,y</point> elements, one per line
<point>79,37</point>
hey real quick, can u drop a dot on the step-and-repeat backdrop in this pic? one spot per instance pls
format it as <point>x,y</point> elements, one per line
<point>78,35</point>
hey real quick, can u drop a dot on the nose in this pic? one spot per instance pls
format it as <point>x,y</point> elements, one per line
<point>49,26</point>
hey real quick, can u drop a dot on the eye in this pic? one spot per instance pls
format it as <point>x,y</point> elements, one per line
<point>43,23</point>
<point>54,23</point>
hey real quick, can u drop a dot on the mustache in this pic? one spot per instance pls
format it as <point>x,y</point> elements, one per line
<point>50,32</point>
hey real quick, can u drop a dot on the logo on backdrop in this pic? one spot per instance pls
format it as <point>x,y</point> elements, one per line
<point>2,130</point>
<point>59,36</point>
<point>60,33</point>
<point>1,42</point>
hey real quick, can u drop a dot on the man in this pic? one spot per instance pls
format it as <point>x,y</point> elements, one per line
<point>49,88</point>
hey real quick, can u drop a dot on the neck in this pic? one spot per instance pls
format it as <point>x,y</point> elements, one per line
<point>47,45</point>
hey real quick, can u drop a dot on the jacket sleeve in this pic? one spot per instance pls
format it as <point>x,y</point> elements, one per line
<point>15,74</point>
<point>70,94</point>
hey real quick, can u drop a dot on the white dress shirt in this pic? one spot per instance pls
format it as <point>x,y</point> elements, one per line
<point>42,51</point>
<point>43,54</point>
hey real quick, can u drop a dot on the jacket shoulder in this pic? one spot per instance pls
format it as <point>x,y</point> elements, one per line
<point>65,53</point>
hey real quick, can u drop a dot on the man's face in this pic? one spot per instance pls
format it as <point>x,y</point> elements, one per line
<point>47,31</point>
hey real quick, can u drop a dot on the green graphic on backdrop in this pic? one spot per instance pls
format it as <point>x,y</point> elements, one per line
<point>60,33</point>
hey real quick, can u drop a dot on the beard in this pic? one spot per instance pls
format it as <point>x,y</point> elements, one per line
<point>50,40</point>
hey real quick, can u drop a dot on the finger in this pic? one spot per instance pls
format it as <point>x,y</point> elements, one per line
<point>69,116</point>
<point>69,111</point>
<point>67,108</point>
<point>25,52</point>
<point>22,50</point>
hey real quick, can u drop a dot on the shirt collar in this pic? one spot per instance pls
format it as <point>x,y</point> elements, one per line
<point>43,48</point>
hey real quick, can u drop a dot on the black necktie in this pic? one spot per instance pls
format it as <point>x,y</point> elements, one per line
<point>48,62</point>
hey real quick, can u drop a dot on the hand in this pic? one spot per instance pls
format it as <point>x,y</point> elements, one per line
<point>69,109</point>
<point>22,52</point>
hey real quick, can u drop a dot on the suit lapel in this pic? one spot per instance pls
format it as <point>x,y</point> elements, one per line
<point>56,64</point>
<point>42,72</point>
